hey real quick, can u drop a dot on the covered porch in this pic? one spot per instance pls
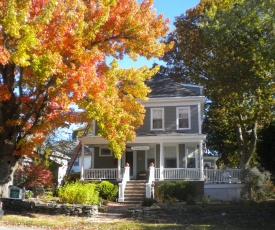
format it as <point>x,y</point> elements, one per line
<point>175,157</point>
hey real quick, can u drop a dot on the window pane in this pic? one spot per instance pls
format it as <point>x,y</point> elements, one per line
<point>170,163</point>
<point>183,123</point>
<point>157,124</point>
<point>183,118</point>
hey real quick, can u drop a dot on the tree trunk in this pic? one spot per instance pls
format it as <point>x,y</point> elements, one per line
<point>8,165</point>
<point>247,145</point>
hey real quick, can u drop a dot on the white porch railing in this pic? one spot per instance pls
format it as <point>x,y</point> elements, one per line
<point>225,176</point>
<point>149,184</point>
<point>122,185</point>
<point>178,173</point>
<point>99,174</point>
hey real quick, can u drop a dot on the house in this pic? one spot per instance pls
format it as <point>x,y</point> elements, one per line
<point>87,160</point>
<point>170,139</point>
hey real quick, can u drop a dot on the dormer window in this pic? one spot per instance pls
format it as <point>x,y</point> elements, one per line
<point>157,119</point>
<point>183,118</point>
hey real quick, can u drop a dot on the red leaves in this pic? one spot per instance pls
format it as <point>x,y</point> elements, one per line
<point>35,175</point>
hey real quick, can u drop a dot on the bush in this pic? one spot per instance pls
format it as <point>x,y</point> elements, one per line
<point>79,193</point>
<point>72,177</point>
<point>179,190</point>
<point>166,191</point>
<point>149,202</point>
<point>107,190</point>
<point>184,189</point>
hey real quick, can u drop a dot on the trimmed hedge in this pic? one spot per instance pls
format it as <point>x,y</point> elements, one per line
<point>180,190</point>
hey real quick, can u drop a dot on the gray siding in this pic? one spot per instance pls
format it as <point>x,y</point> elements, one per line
<point>103,162</point>
<point>170,115</point>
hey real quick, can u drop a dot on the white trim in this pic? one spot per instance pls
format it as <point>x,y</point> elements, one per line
<point>172,101</point>
<point>188,114</point>
<point>191,138</point>
<point>151,118</point>
<point>100,152</point>
<point>199,118</point>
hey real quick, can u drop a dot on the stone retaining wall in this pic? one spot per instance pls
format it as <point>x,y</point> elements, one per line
<point>50,208</point>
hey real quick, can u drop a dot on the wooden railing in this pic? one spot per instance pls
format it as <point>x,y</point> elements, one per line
<point>99,174</point>
<point>178,173</point>
<point>226,175</point>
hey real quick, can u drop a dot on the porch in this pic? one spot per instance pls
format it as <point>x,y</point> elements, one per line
<point>213,176</point>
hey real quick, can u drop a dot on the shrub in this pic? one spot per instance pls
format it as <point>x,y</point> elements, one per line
<point>166,191</point>
<point>149,202</point>
<point>184,189</point>
<point>34,177</point>
<point>79,192</point>
<point>259,187</point>
<point>107,190</point>
<point>179,190</point>
<point>72,177</point>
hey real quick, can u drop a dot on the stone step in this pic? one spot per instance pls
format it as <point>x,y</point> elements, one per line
<point>134,192</point>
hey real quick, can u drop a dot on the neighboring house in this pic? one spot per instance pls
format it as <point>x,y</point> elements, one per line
<point>87,160</point>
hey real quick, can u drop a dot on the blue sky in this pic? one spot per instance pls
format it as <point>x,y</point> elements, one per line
<point>170,9</point>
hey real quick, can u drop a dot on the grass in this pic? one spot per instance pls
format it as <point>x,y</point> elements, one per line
<point>238,215</point>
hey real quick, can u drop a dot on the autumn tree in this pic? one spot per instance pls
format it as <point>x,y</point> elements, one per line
<point>53,54</point>
<point>228,47</point>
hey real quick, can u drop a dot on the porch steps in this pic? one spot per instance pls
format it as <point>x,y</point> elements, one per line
<point>135,191</point>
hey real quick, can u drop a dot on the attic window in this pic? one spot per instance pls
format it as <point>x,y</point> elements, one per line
<point>105,152</point>
<point>183,118</point>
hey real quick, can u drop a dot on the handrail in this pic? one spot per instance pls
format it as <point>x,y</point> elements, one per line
<point>122,185</point>
<point>150,183</point>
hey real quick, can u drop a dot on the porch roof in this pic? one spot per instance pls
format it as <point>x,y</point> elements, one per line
<point>152,138</point>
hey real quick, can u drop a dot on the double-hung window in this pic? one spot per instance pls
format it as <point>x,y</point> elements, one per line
<point>157,119</point>
<point>183,118</point>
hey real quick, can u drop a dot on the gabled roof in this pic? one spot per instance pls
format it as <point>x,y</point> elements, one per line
<point>163,86</point>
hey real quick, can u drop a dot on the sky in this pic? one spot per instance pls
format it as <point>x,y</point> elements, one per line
<point>170,9</point>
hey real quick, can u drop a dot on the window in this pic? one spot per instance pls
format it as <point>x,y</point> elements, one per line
<point>157,119</point>
<point>104,152</point>
<point>191,157</point>
<point>183,118</point>
<point>170,157</point>
<point>76,162</point>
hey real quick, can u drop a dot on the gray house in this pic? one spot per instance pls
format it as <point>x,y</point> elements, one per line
<point>170,141</point>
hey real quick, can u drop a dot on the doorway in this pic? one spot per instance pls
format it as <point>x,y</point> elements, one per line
<point>129,157</point>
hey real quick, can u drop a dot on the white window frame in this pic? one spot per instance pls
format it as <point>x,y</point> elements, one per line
<point>105,155</point>
<point>189,117</point>
<point>162,114</point>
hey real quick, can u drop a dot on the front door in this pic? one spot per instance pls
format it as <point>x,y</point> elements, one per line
<point>129,157</point>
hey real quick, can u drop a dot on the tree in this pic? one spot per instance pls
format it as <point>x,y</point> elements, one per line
<point>266,149</point>
<point>53,54</point>
<point>34,175</point>
<point>228,47</point>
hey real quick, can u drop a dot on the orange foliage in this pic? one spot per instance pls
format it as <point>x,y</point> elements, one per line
<point>55,55</point>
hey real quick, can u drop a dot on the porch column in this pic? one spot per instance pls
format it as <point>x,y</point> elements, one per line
<point>82,163</point>
<point>118,169</point>
<point>201,160</point>
<point>161,161</point>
